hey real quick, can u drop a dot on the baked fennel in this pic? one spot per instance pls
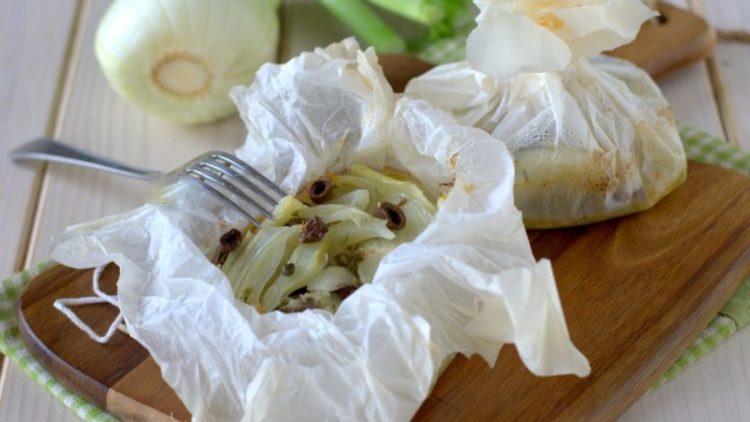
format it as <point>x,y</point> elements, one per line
<point>313,255</point>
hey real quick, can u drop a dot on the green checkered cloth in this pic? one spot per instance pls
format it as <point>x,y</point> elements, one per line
<point>14,349</point>
<point>699,147</point>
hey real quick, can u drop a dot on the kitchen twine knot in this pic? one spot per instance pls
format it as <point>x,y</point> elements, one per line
<point>65,305</point>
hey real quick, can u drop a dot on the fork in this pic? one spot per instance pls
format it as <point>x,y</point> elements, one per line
<point>226,177</point>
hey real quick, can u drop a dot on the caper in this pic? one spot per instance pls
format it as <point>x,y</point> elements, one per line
<point>287,269</point>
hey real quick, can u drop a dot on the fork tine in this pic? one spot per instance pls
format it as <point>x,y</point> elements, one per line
<point>221,182</point>
<point>246,167</point>
<point>226,170</point>
<point>235,183</point>
<point>200,180</point>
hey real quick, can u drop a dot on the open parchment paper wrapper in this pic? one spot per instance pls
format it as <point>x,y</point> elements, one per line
<point>450,291</point>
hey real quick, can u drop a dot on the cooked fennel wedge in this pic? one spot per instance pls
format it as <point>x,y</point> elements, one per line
<point>308,261</point>
<point>258,259</point>
<point>333,278</point>
<point>323,244</point>
<point>358,199</point>
<point>349,233</point>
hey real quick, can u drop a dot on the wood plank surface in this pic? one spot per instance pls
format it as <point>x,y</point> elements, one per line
<point>24,400</point>
<point>633,295</point>
<point>690,94</point>
<point>733,61</point>
<point>33,41</point>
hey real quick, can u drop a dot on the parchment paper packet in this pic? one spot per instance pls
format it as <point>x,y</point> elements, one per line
<point>450,291</point>
<point>592,137</point>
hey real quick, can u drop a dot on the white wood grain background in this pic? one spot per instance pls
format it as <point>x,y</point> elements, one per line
<point>33,44</point>
<point>33,53</point>
<point>50,84</point>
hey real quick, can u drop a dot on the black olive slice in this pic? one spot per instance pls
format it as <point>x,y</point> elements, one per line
<point>393,214</point>
<point>320,190</point>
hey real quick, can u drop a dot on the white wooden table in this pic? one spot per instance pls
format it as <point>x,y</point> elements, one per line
<point>50,84</point>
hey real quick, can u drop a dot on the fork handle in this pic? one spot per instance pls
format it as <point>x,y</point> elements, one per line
<point>44,149</point>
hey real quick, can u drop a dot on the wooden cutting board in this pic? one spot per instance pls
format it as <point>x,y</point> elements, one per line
<point>635,291</point>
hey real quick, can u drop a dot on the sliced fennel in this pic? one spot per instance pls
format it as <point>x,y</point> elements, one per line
<point>358,199</point>
<point>349,233</point>
<point>332,279</point>
<point>258,259</point>
<point>332,213</point>
<point>309,261</point>
<point>313,256</point>
<point>286,210</point>
<point>418,209</point>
